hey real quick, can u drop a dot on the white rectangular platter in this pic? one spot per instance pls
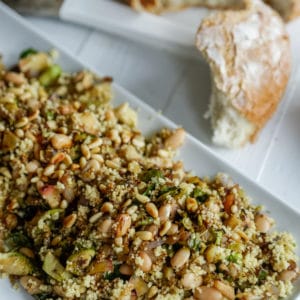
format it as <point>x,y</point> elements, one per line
<point>16,35</point>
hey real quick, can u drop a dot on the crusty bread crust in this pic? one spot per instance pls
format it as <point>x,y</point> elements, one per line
<point>250,59</point>
<point>288,9</point>
<point>157,6</point>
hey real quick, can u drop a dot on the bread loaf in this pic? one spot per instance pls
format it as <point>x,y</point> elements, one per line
<point>248,52</point>
<point>159,6</point>
<point>288,9</point>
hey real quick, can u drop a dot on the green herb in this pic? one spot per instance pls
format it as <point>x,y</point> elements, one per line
<point>152,175</point>
<point>114,274</point>
<point>50,115</point>
<point>235,258</point>
<point>27,52</point>
<point>145,221</point>
<point>199,195</point>
<point>218,237</point>
<point>194,242</point>
<point>262,275</point>
<point>167,189</point>
<point>149,189</point>
<point>50,75</point>
<point>17,240</point>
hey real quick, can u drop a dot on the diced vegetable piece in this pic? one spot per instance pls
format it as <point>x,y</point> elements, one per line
<point>79,261</point>
<point>14,263</point>
<point>54,268</point>
<point>27,52</point>
<point>49,216</point>
<point>235,257</point>
<point>152,174</point>
<point>104,266</point>
<point>200,195</point>
<point>50,75</point>
<point>35,63</point>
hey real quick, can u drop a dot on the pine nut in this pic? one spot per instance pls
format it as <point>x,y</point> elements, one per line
<point>107,207</point>
<point>126,269</point>
<point>144,262</point>
<point>144,235</point>
<point>61,141</point>
<point>123,224</point>
<point>164,212</point>
<point>176,139</point>
<point>165,228</point>
<point>95,217</point>
<point>263,223</point>
<point>152,210</point>
<point>180,258</point>
<point>190,281</point>
<point>69,221</point>
<point>205,293</point>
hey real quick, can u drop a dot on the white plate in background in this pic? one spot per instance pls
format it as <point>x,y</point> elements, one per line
<point>174,31</point>
<point>16,35</point>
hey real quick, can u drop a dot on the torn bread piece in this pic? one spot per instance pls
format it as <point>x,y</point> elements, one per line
<point>288,9</point>
<point>159,6</point>
<point>249,55</point>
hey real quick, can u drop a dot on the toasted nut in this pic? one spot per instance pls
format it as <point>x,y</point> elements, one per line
<point>57,158</point>
<point>176,139</point>
<point>168,273</point>
<point>70,220</point>
<point>126,269</point>
<point>107,207</point>
<point>61,141</point>
<point>173,229</point>
<point>15,78</point>
<point>228,202</point>
<point>153,291</point>
<point>49,170</point>
<point>105,226</point>
<point>31,284</point>
<point>96,143</point>
<point>191,204</point>
<point>85,151</point>
<point>94,218</point>
<point>142,198</point>
<point>144,235</point>
<point>180,258</point>
<point>190,281</point>
<point>144,262</point>
<point>22,122</point>
<point>11,221</point>
<point>225,289</point>
<point>205,293</point>
<point>164,212</point>
<point>165,228</point>
<point>263,223</point>
<point>32,166</point>
<point>288,275</point>
<point>27,252</point>
<point>152,210</point>
<point>123,224</point>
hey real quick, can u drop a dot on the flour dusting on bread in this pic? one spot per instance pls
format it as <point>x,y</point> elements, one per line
<point>249,55</point>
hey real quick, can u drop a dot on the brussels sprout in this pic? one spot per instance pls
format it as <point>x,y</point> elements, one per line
<point>14,263</point>
<point>50,75</point>
<point>78,261</point>
<point>54,268</point>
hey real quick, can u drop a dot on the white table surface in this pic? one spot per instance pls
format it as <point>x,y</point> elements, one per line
<point>180,89</point>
